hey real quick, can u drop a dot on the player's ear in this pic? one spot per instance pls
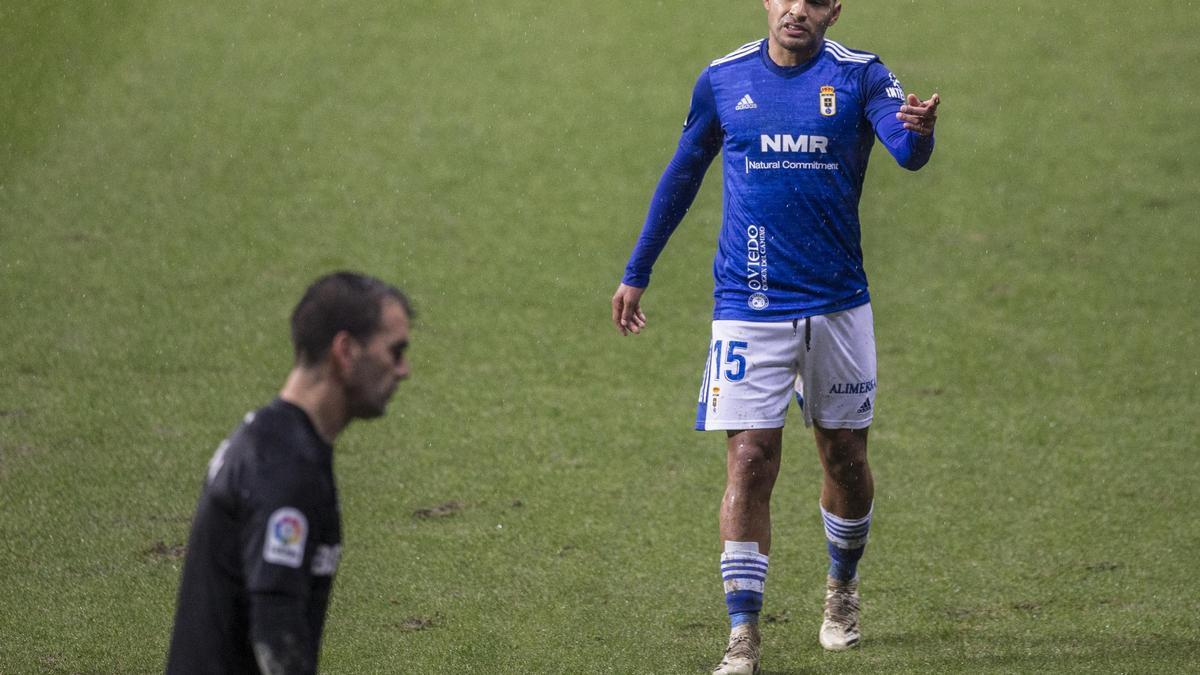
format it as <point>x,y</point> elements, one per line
<point>837,12</point>
<point>343,351</point>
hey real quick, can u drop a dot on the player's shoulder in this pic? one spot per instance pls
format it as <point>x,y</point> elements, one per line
<point>743,53</point>
<point>279,432</point>
<point>270,423</point>
<point>847,57</point>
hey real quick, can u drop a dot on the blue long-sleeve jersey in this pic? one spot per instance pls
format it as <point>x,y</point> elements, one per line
<point>795,141</point>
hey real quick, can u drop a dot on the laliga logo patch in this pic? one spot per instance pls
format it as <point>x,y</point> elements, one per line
<point>828,101</point>
<point>287,530</point>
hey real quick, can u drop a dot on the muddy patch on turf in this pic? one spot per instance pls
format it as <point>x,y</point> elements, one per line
<point>415,623</point>
<point>443,510</point>
<point>163,552</point>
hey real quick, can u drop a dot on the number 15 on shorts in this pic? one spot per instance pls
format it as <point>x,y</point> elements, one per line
<point>728,360</point>
<point>726,363</point>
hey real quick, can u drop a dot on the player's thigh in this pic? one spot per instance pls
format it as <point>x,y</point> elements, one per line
<point>839,371</point>
<point>748,376</point>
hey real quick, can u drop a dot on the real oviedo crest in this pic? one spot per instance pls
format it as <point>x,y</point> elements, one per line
<point>828,101</point>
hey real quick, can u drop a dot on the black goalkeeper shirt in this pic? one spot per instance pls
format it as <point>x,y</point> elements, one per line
<point>267,528</point>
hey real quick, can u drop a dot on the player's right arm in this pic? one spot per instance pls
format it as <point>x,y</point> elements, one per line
<point>627,309</point>
<point>698,145</point>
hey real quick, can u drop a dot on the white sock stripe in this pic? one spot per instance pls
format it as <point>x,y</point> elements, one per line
<point>750,571</point>
<point>847,540</point>
<point>743,570</point>
<point>846,543</point>
<point>734,585</point>
<point>850,532</point>
<point>847,522</point>
<point>842,542</point>
<point>744,583</point>
<point>843,523</point>
<point>743,561</point>
<point>744,556</point>
<point>847,532</point>
<point>754,574</point>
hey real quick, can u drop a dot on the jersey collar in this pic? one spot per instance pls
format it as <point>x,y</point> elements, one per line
<point>788,71</point>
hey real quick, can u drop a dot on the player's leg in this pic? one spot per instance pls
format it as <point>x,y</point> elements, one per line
<point>839,379</point>
<point>847,494</point>
<point>751,467</point>
<point>748,381</point>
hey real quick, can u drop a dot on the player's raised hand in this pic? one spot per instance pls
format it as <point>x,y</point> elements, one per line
<point>627,313</point>
<point>919,116</point>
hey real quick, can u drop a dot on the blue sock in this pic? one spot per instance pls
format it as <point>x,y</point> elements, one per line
<point>847,539</point>
<point>744,571</point>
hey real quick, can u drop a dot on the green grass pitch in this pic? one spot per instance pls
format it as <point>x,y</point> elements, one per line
<point>173,173</point>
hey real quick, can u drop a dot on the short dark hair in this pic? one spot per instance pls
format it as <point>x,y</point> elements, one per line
<point>341,301</point>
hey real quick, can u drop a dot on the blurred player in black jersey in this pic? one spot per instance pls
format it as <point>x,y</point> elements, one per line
<point>267,534</point>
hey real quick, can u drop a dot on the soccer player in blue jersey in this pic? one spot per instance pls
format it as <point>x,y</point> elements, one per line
<point>795,116</point>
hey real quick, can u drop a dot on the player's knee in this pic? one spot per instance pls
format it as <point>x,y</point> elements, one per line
<point>845,455</point>
<point>848,473</point>
<point>754,464</point>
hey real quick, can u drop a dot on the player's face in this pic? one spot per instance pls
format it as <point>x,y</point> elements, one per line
<point>797,27</point>
<point>381,364</point>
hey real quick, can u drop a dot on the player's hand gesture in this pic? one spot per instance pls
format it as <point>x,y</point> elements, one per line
<point>627,309</point>
<point>919,116</point>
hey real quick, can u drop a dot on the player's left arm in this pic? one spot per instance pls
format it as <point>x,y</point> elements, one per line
<point>904,124</point>
<point>277,546</point>
<point>919,116</point>
<point>280,635</point>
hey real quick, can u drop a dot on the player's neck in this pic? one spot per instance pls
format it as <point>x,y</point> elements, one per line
<point>314,393</point>
<point>786,58</point>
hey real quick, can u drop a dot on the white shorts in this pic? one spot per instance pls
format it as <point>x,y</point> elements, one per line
<point>754,368</point>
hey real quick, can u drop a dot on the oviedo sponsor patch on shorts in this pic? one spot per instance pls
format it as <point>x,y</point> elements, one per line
<point>287,532</point>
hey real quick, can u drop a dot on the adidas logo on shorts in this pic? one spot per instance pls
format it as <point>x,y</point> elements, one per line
<point>865,407</point>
